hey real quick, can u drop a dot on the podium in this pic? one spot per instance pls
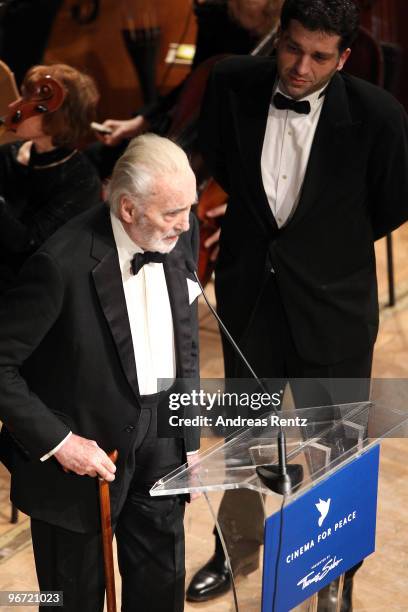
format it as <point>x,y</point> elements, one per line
<point>326,524</point>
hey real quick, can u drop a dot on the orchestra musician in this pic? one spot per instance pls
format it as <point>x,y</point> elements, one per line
<point>44,179</point>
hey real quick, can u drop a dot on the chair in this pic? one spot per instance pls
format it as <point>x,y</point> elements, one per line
<point>378,63</point>
<point>392,71</point>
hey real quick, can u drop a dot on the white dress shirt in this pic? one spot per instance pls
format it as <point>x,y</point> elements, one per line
<point>285,154</point>
<point>149,312</point>
<point>150,317</point>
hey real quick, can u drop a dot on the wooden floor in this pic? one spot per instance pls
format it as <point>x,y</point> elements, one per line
<point>382,583</point>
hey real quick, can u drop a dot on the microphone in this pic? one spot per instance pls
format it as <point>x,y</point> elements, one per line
<point>281,478</point>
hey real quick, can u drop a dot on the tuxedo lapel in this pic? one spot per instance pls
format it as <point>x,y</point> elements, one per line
<point>331,146</point>
<point>176,279</point>
<point>108,284</point>
<point>109,288</point>
<point>250,114</point>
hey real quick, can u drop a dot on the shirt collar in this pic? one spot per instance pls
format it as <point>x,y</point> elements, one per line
<point>315,99</point>
<point>124,244</point>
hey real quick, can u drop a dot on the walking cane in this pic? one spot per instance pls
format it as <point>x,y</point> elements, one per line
<point>104,501</point>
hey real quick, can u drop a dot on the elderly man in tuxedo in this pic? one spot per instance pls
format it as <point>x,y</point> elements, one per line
<point>101,312</point>
<point>315,163</point>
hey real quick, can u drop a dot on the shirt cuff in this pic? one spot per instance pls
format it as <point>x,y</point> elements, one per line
<point>192,452</point>
<point>54,450</point>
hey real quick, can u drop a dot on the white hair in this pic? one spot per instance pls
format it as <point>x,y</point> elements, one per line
<point>147,158</point>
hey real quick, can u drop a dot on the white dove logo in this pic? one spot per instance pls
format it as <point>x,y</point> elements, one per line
<point>323,507</point>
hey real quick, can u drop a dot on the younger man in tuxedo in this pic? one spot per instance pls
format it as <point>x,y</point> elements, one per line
<point>98,314</point>
<point>315,164</point>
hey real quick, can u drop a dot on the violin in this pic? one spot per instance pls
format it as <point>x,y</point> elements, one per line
<point>45,95</point>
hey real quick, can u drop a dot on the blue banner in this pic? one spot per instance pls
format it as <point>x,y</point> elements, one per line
<point>321,534</point>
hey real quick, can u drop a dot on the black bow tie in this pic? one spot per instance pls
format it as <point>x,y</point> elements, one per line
<point>283,103</point>
<point>140,259</point>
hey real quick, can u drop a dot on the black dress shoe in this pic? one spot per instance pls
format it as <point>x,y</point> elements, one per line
<point>214,579</point>
<point>210,581</point>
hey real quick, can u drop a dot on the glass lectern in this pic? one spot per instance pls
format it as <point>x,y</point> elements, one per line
<point>321,442</point>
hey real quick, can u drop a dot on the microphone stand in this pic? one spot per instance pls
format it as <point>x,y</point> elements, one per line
<point>281,478</point>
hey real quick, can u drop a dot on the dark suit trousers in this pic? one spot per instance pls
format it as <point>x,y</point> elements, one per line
<point>270,349</point>
<point>149,534</point>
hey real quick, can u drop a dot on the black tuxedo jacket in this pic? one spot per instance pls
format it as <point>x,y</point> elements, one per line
<point>355,191</point>
<point>67,363</point>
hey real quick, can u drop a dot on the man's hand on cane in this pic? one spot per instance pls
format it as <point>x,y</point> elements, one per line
<point>85,457</point>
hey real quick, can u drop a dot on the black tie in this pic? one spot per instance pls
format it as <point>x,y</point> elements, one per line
<point>140,259</point>
<point>283,103</point>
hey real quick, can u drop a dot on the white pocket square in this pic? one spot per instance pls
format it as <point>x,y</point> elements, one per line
<point>193,290</point>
